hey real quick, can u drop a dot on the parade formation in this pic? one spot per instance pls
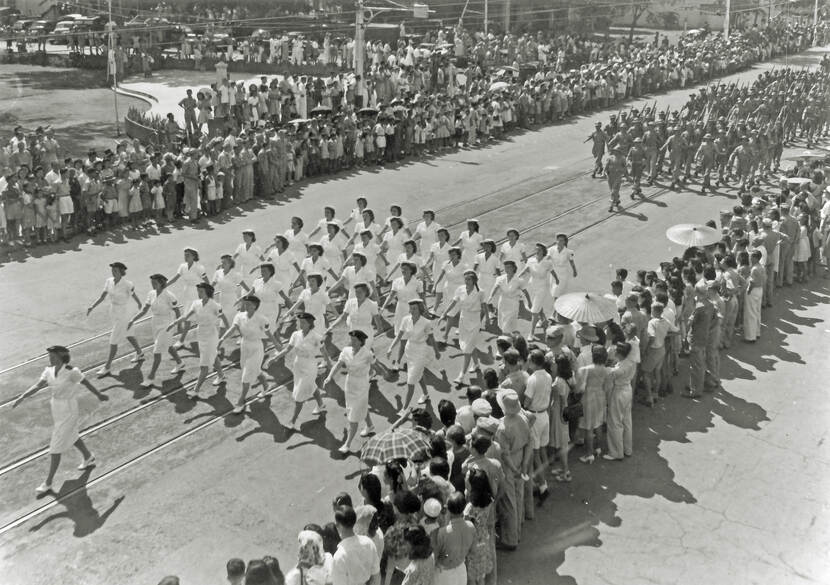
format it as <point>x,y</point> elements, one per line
<point>546,367</point>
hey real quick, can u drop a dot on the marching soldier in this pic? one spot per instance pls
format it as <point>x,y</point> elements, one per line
<point>742,155</point>
<point>615,171</point>
<point>599,139</point>
<point>651,145</point>
<point>706,156</point>
<point>637,159</point>
<point>675,146</point>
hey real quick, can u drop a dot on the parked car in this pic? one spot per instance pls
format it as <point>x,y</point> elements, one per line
<point>61,32</point>
<point>22,25</point>
<point>41,27</point>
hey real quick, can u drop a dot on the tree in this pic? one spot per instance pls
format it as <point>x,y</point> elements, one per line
<point>637,10</point>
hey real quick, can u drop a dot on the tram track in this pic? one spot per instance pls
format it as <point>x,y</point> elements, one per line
<point>109,422</point>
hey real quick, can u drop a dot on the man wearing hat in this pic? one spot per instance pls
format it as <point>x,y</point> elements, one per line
<point>598,140</point>
<point>706,157</point>
<point>637,159</point>
<point>789,229</point>
<point>513,435</point>
<point>615,170</point>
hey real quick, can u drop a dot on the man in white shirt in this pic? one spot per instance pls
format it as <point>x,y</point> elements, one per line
<point>356,560</point>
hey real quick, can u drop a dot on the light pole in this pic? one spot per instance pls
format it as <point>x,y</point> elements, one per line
<point>112,64</point>
<point>726,19</point>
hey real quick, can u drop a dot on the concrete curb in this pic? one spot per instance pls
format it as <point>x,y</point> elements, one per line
<point>134,93</point>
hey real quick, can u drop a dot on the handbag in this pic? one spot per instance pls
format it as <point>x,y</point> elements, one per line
<point>574,410</point>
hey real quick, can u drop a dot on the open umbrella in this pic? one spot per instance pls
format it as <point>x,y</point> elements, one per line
<point>809,155</point>
<point>205,91</point>
<point>690,234</point>
<point>368,112</point>
<point>395,444</point>
<point>499,86</point>
<point>321,110</point>
<point>585,307</point>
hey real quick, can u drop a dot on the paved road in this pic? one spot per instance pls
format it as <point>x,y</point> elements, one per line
<point>733,486</point>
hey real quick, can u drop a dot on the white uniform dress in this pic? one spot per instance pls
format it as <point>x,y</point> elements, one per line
<point>296,244</point>
<point>119,294</point>
<point>321,266</point>
<point>514,253</point>
<point>487,270</point>
<point>539,285</point>
<point>284,265</point>
<point>248,258</point>
<point>206,317</point>
<point>356,388</point>
<point>394,247</point>
<point>562,265</point>
<point>508,305</point>
<point>404,292</point>
<point>352,277</point>
<point>66,415</point>
<point>189,277</point>
<point>227,290</point>
<point>162,307</point>
<point>469,318</point>
<point>359,317</point>
<point>440,255</point>
<point>305,349</point>
<point>252,329</point>
<point>372,252</point>
<point>418,353</point>
<point>428,233</point>
<point>470,243</point>
<point>453,278</point>
<point>315,304</point>
<point>269,298</point>
<point>333,251</point>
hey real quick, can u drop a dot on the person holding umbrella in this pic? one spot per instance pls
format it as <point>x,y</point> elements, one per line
<point>64,381</point>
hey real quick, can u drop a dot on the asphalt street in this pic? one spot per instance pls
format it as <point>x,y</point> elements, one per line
<point>731,488</point>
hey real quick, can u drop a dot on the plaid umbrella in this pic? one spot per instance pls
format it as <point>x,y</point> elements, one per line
<point>395,444</point>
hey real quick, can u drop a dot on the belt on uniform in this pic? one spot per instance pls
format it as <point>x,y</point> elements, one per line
<point>537,411</point>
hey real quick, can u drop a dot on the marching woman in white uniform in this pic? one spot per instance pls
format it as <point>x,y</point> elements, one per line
<point>395,213</point>
<point>358,272</point>
<point>253,327</point>
<point>470,242</point>
<point>164,308</point>
<point>248,254</point>
<point>472,309</point>
<point>487,267</point>
<point>358,359</point>
<point>356,215</point>
<point>410,254</point>
<point>367,246</point>
<point>334,247</point>
<point>191,273</point>
<point>391,246</point>
<point>540,269</point>
<point>564,267</point>
<point>417,332</point>
<point>227,281</point>
<point>514,250</point>
<point>405,288</point>
<point>439,253</point>
<point>271,294</point>
<point>366,223</point>
<point>283,260</point>
<point>313,299</point>
<point>448,281</point>
<point>426,232</point>
<point>360,314</point>
<point>297,240</point>
<point>119,290</point>
<point>207,315</point>
<point>64,381</point>
<point>315,263</point>
<point>510,289</point>
<point>306,343</point>
<point>322,225</point>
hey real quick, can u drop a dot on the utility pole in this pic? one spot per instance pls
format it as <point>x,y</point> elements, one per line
<point>359,52</point>
<point>112,63</point>
<point>815,23</point>
<point>726,19</point>
<point>507,10</point>
<point>486,16</point>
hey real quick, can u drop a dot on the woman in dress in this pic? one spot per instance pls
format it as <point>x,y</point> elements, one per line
<point>297,240</point>
<point>306,343</point>
<point>487,267</point>
<point>592,383</point>
<point>564,268</point>
<point>359,272</point>
<point>801,256</point>
<point>248,254</point>
<point>207,315</point>
<point>313,299</point>
<point>322,225</point>
<point>64,381</point>
<point>417,332</point>
<point>366,222</point>
<point>559,430</point>
<point>334,247</point>
<point>119,290</point>
<point>510,289</point>
<point>226,283</point>
<point>421,567</point>
<point>409,254</point>
<point>395,212</point>
<point>449,278</point>
<point>271,294</point>
<point>438,253</point>
<point>482,560</point>
<point>191,273</point>
<point>360,313</point>
<point>426,232</point>
<point>540,270</point>
<point>358,359</point>
<point>366,245</point>
<point>313,563</point>
<point>315,263</point>
<point>283,260</point>
<point>253,327</point>
<point>472,307</point>
<point>470,241</point>
<point>404,289</point>
<point>164,308</point>
<point>356,215</point>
